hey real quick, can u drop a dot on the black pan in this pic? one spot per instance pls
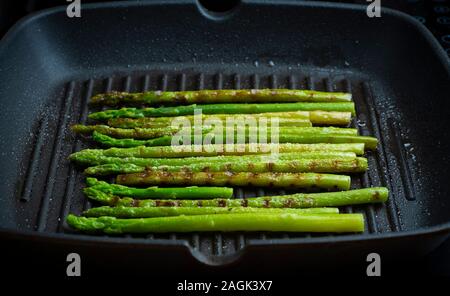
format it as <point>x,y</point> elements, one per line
<point>50,65</point>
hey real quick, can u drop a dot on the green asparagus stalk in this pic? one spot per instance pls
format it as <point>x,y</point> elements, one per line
<point>232,149</point>
<point>286,180</point>
<point>229,149</point>
<point>153,121</point>
<point>149,133</point>
<point>114,169</point>
<point>96,157</point>
<point>298,118</point>
<point>369,142</point>
<point>288,162</point>
<point>162,122</point>
<point>114,142</point>
<point>330,118</point>
<point>223,108</point>
<point>161,193</point>
<point>138,133</point>
<point>223,222</point>
<point>298,200</point>
<point>149,212</point>
<point>355,165</point>
<point>152,98</point>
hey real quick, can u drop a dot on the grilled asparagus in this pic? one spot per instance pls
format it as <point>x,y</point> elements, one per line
<point>369,142</point>
<point>298,200</point>
<point>160,192</point>
<point>342,165</point>
<point>223,222</point>
<point>222,109</point>
<point>286,180</point>
<point>148,212</point>
<point>218,96</point>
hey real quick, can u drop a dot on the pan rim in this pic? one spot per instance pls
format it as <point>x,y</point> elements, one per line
<point>24,21</point>
<point>441,228</point>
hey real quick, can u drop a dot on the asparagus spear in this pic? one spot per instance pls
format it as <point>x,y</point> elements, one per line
<point>330,118</point>
<point>124,133</point>
<point>161,122</point>
<point>149,133</point>
<point>218,96</point>
<point>113,169</point>
<point>300,118</point>
<point>158,192</point>
<point>369,142</point>
<point>138,133</point>
<point>288,162</point>
<point>237,149</point>
<point>294,180</point>
<point>223,222</point>
<point>96,157</point>
<point>149,212</point>
<point>223,108</point>
<point>114,142</point>
<point>355,165</point>
<point>298,200</point>
<point>164,121</point>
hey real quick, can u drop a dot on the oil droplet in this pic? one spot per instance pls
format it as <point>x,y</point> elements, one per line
<point>256,63</point>
<point>271,64</point>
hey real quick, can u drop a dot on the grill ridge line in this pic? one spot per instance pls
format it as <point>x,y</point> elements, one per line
<point>73,172</point>
<point>56,154</point>
<point>34,161</point>
<point>365,179</point>
<point>373,114</point>
<point>405,169</point>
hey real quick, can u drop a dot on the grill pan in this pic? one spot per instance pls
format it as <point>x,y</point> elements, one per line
<point>50,65</point>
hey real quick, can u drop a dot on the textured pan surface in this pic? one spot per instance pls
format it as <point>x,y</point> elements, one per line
<point>50,65</point>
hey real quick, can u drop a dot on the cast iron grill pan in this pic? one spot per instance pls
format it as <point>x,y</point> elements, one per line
<point>388,103</point>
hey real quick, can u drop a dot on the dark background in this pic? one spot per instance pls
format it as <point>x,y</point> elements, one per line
<point>435,14</point>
